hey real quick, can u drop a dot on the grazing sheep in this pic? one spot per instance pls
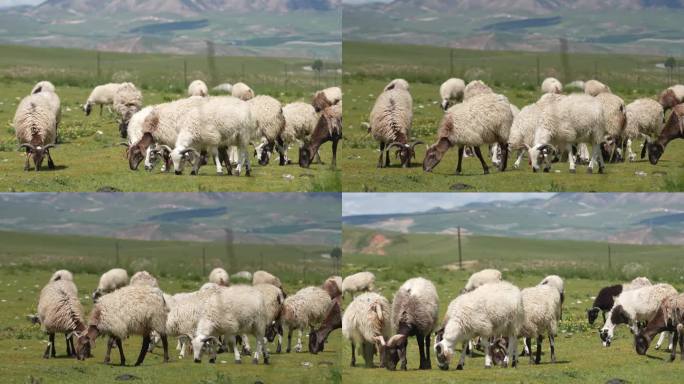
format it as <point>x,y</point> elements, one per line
<point>634,306</point>
<point>644,119</point>
<point>60,311</point>
<point>542,305</point>
<point>479,120</point>
<point>414,313</point>
<point>144,278</point>
<point>300,121</point>
<point>242,91</point>
<point>672,96</point>
<point>331,322</point>
<point>665,320</point>
<point>43,86</point>
<point>595,88</point>
<point>305,309</point>
<point>366,324</point>
<point>673,129</point>
<point>451,91</point>
<point>219,276</point>
<point>492,310</point>
<point>270,122</point>
<point>224,87</point>
<point>62,274</point>
<point>551,85</point>
<point>333,285</point>
<point>111,281</point>
<point>131,310</point>
<point>35,124</point>
<point>358,282</point>
<point>480,278</point>
<point>328,128</point>
<point>198,88</point>
<point>577,85</point>
<point>326,98</point>
<point>390,123</point>
<point>605,299</point>
<point>273,300</point>
<point>101,95</point>
<point>245,275</point>
<point>127,101</point>
<point>263,277</point>
<point>476,88</point>
<point>556,282</point>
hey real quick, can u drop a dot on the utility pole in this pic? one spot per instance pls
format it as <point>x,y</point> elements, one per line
<point>116,253</point>
<point>610,261</point>
<point>460,256</point>
<point>451,62</point>
<point>204,261</point>
<point>230,254</point>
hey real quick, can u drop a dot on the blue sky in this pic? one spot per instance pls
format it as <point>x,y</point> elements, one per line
<point>7,3</point>
<point>370,203</point>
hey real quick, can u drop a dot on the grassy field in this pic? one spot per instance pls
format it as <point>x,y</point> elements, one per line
<point>88,157</point>
<point>581,358</point>
<point>369,67</point>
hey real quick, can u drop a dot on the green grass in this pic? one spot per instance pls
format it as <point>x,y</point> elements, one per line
<point>369,67</point>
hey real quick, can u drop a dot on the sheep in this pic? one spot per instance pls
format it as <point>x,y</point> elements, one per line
<point>665,320</point>
<point>493,309</point>
<point>542,307</point>
<point>263,277</point>
<point>328,128</point>
<point>43,86</point>
<point>451,91</point>
<point>198,88</point>
<point>615,120</point>
<point>35,124</point>
<point>305,309</point>
<point>414,313</point>
<point>390,123</point>
<point>127,101</point>
<point>59,310</point>
<point>242,91</point>
<point>673,129</point>
<point>366,324</point>
<point>572,119</point>
<point>268,113</point>
<point>219,276</point>
<point>230,312</point>
<point>358,282</point>
<point>480,278</point>
<point>575,85</point>
<point>672,96</point>
<point>129,310</point>
<point>605,299</point>
<point>101,95</point>
<point>219,121</point>
<point>331,322</point>
<point>300,121</point>
<point>144,278</point>
<point>556,282</point>
<point>595,87</point>
<point>245,275</point>
<point>333,285</point>
<point>62,274</point>
<point>224,87</point>
<point>273,301</point>
<point>551,85</point>
<point>326,98</point>
<point>110,281</point>
<point>476,88</point>
<point>644,119</point>
<point>479,120</point>
<point>633,306</point>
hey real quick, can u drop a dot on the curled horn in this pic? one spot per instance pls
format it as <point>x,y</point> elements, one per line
<point>549,146</point>
<point>125,144</point>
<point>27,145</point>
<point>417,142</point>
<point>49,146</point>
<point>165,148</point>
<point>394,144</point>
<point>185,151</point>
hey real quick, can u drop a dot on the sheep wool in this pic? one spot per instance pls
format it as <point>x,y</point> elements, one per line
<point>476,88</point>
<point>482,277</point>
<point>451,90</point>
<point>333,285</point>
<point>263,277</point>
<point>112,280</point>
<point>268,113</point>
<point>137,124</point>
<point>479,120</point>
<point>358,282</point>
<point>144,278</point>
<point>273,301</point>
<point>551,85</point>
<point>306,308</point>
<point>62,274</point>
<point>672,96</point>
<point>397,84</point>
<point>416,303</point>
<point>392,116</point>
<point>542,306</point>
<point>326,98</point>
<point>300,121</point>
<point>595,88</point>
<point>242,91</point>
<point>613,113</point>
<point>43,86</point>
<point>644,117</point>
<point>366,321</point>
<point>59,309</point>
<point>219,276</point>
<point>36,119</point>
<point>198,88</point>
<point>127,101</point>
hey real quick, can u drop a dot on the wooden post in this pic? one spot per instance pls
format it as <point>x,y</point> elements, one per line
<point>610,261</point>
<point>116,252</point>
<point>185,73</point>
<point>460,256</point>
<point>538,71</point>
<point>204,261</point>
<point>99,68</point>
<point>451,62</point>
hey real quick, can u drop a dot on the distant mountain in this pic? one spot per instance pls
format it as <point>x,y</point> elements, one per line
<point>622,218</point>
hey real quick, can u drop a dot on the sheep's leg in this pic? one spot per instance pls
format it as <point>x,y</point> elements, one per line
<point>387,157</point>
<point>461,360</point>
<point>552,347</point>
<point>217,161</point>
<point>51,340</point>
<point>470,348</point>
<point>660,340</point>
<point>353,357</point>
<point>298,347</point>
<point>516,165</point>
<point>673,352</point>
<point>488,350</point>
<point>681,345</point>
<point>68,346</point>
<point>421,351</point>
<point>528,348</point>
<point>630,153</point>
<point>504,157</point>
<point>537,358</point>
<point>282,151</point>
<point>27,165</point>
<point>279,348</point>
<point>143,350</point>
<point>334,153</point>
<point>51,164</point>
<point>571,160</point>
<point>460,159</point>
<point>246,349</point>
<point>119,345</point>
<point>108,353</point>
<point>513,351</point>
<point>428,364</point>
<point>596,157</point>
<point>478,153</point>
<point>165,345</point>
<point>101,109</point>
<point>289,340</point>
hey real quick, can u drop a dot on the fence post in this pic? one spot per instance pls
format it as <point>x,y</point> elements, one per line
<point>538,71</point>
<point>99,68</point>
<point>116,252</point>
<point>204,261</point>
<point>451,62</point>
<point>460,256</point>
<point>185,73</point>
<point>610,261</point>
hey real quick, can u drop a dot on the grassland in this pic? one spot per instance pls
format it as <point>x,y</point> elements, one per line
<point>88,156</point>
<point>581,358</point>
<point>369,67</point>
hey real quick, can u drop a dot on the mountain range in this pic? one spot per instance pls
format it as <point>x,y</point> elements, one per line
<point>621,218</point>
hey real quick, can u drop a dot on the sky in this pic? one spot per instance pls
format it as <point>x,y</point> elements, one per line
<point>9,3</point>
<point>367,203</point>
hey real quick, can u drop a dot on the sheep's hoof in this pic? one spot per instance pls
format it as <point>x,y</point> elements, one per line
<point>212,361</point>
<point>458,367</point>
<point>193,173</point>
<point>601,170</point>
<point>534,170</point>
<point>178,173</point>
<point>573,171</point>
<point>278,349</point>
<point>547,170</point>
<point>219,173</point>
<point>590,170</point>
<point>106,360</point>
<point>198,361</point>
<point>486,171</point>
<point>255,361</point>
<point>298,349</point>
<point>488,366</point>
<point>238,361</point>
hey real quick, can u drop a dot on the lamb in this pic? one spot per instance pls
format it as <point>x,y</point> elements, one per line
<point>232,311</point>
<point>476,88</point>
<point>595,88</point>
<point>305,309</point>
<point>268,113</point>
<point>672,96</point>
<point>273,301</point>
<point>219,276</point>
<point>390,123</point>
<point>43,86</point>
<point>198,88</point>
<point>414,313</point>
<point>137,310</point>
<point>605,299</point>
<point>110,281</point>
<point>263,277</point>
<point>328,128</point>
<point>326,98</point>
<point>644,119</point>
<point>333,285</point>
<point>59,310</point>
<point>673,129</point>
<point>480,278</point>
<point>62,274</point>
<point>451,91</point>
<point>144,278</point>
<point>35,124</point>
<point>634,306</point>
<point>493,309</point>
<point>366,324</point>
<point>542,306</point>
<point>551,85</point>
<point>666,319</point>
<point>358,282</point>
<point>479,120</point>
<point>101,95</point>
<point>242,91</point>
<point>127,101</point>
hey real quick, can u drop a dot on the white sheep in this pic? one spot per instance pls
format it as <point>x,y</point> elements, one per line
<point>595,87</point>
<point>127,101</point>
<point>366,324</point>
<point>62,274</point>
<point>35,124</point>
<point>273,300</point>
<point>542,307</point>
<point>60,311</point>
<point>43,86</point>
<point>131,310</point>
<point>144,278</point>
<point>613,113</point>
<point>634,306</point>
<point>451,91</point>
<point>605,299</point>
<point>476,88</point>
<point>326,98</point>
<point>575,85</point>
<point>300,121</point>
<point>224,87</point>
<point>397,84</point>
<point>492,310</point>
<point>306,309</point>
<point>263,277</point>
<point>551,85</point>
<point>110,281</point>
<point>245,275</point>
<point>333,285</point>
<point>480,278</point>
<point>242,91</point>
<point>556,282</point>
<point>644,120</point>
<point>101,95</point>
<point>198,88</point>
<point>270,123</point>
<point>672,96</point>
<point>219,276</point>
<point>479,120</point>
<point>358,282</point>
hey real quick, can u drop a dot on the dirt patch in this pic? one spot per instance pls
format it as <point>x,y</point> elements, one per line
<point>376,245</point>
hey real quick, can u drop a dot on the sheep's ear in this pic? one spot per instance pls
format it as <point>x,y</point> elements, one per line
<point>396,340</point>
<point>378,310</point>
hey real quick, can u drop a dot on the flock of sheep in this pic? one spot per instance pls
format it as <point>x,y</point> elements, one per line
<point>555,127</point>
<point>191,129</point>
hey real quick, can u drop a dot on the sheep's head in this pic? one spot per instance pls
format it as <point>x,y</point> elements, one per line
<point>263,152</point>
<point>315,344</point>
<point>137,151</point>
<point>655,150</point>
<point>668,99</point>
<point>180,157</point>
<point>444,355</point>
<point>541,155</point>
<point>445,104</point>
<point>305,157</point>
<point>87,108</point>
<point>202,343</point>
<point>85,342</point>
<point>641,343</point>
<point>592,314</point>
<point>405,152</point>
<point>395,350</point>
<point>155,154</point>
<point>320,102</point>
<point>435,153</point>
<point>37,153</point>
<point>272,330</point>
